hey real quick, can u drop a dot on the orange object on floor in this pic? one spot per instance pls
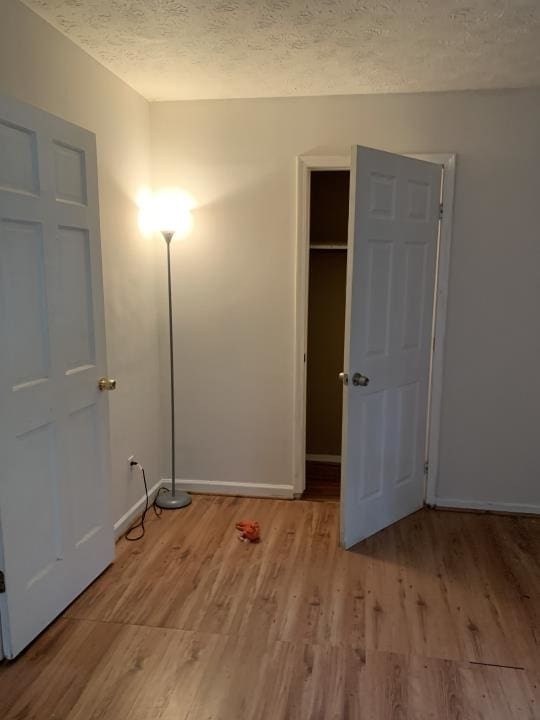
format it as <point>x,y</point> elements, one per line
<point>250,530</point>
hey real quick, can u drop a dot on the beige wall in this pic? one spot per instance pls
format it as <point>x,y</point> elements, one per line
<point>235,277</point>
<point>41,67</point>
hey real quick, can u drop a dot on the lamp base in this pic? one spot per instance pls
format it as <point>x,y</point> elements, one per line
<point>167,501</point>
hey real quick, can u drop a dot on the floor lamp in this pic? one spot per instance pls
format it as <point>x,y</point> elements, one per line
<point>171,217</point>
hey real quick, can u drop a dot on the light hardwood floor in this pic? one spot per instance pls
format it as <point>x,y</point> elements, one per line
<point>437,617</point>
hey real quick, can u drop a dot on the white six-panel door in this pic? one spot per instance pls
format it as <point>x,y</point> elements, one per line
<point>56,532</point>
<point>393,236</point>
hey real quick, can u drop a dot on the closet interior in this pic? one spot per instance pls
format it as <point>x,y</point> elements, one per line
<point>328,228</point>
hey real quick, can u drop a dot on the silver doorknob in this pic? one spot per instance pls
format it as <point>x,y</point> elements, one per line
<point>344,378</point>
<point>106,384</point>
<point>359,379</point>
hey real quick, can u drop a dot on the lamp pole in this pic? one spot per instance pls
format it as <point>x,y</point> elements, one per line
<point>171,500</point>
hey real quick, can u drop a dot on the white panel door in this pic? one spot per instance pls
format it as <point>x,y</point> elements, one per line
<point>393,237</point>
<point>56,533</point>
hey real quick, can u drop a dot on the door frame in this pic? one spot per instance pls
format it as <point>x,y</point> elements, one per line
<point>305,164</point>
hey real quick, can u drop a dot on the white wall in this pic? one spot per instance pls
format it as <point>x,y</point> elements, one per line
<point>40,66</point>
<point>234,277</point>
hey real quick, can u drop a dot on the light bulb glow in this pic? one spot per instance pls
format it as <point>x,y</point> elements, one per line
<point>167,210</point>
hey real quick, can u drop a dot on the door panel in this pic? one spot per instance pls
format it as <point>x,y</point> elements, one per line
<point>69,173</point>
<point>56,533</point>
<point>18,159</point>
<point>25,302</point>
<point>414,301</point>
<point>393,235</point>
<point>83,452</point>
<point>377,325</point>
<point>76,287</point>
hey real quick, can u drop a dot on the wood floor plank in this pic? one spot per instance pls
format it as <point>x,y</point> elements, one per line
<point>451,585</point>
<point>47,680</point>
<point>192,573</point>
<point>191,624</point>
<point>439,585</point>
<point>145,673</point>
<point>323,481</point>
<point>411,687</point>
<point>88,670</point>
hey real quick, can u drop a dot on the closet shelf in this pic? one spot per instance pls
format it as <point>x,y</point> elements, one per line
<point>324,246</point>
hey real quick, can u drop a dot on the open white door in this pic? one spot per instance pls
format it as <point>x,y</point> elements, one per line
<point>55,530</point>
<point>393,235</point>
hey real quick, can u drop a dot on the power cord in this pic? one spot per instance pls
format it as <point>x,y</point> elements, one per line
<point>139,525</point>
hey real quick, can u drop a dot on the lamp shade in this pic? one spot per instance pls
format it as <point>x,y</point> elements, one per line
<point>166,211</point>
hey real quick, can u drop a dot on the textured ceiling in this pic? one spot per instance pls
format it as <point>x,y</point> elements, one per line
<point>186,49</point>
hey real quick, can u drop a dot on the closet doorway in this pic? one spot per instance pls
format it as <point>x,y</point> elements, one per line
<point>328,228</point>
<point>397,258</point>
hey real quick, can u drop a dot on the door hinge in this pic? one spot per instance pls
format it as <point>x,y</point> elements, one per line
<point>441,211</point>
<point>2,582</point>
<point>426,467</point>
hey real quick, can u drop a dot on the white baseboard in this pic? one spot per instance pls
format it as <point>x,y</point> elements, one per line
<point>516,508</point>
<point>214,487</point>
<point>324,458</point>
<point>121,525</point>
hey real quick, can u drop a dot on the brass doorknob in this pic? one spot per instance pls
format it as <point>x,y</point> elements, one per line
<point>106,384</point>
